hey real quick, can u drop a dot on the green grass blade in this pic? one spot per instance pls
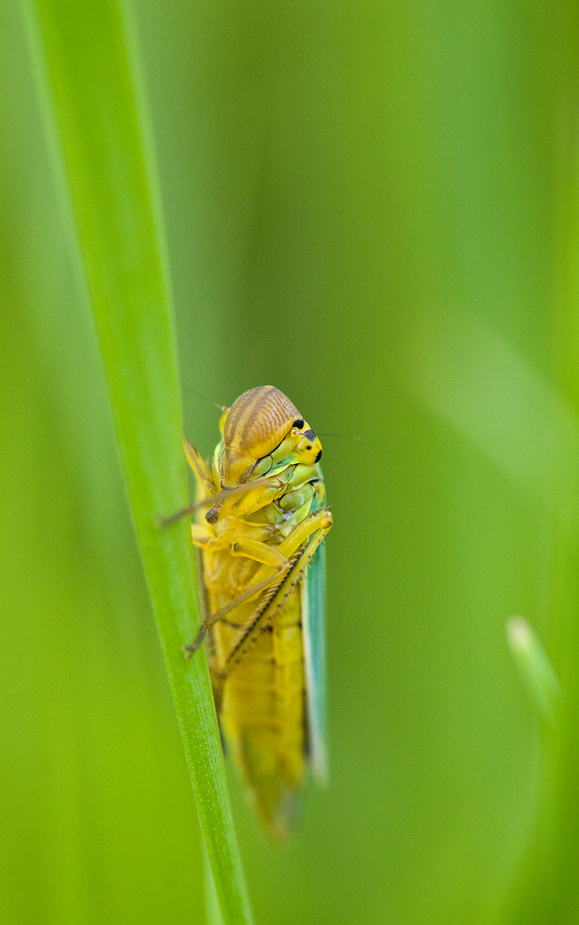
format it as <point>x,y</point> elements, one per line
<point>88,83</point>
<point>212,908</point>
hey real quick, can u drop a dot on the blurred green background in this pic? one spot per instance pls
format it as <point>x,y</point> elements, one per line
<point>362,203</point>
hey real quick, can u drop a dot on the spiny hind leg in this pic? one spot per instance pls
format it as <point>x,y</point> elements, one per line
<point>299,536</point>
<point>268,556</point>
<point>280,590</point>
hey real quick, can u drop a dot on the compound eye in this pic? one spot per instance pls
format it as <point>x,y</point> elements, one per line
<point>299,423</point>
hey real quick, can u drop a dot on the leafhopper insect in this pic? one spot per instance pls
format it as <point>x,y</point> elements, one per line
<point>259,528</point>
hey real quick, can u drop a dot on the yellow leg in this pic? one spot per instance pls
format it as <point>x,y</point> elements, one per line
<point>200,467</point>
<point>292,576</point>
<point>259,552</point>
<point>308,535</point>
<point>319,520</point>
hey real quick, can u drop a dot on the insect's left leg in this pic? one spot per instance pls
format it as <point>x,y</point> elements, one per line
<point>278,559</point>
<point>318,521</point>
<point>248,548</point>
<point>300,555</point>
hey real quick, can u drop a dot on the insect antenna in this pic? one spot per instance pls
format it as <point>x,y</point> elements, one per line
<point>353,439</point>
<point>204,397</point>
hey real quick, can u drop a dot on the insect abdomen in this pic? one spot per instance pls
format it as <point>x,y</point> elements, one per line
<point>263,716</point>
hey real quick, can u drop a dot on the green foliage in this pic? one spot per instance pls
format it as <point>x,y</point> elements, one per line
<point>90,84</point>
<point>374,208</point>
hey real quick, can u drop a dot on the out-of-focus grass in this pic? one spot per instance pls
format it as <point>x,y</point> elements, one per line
<point>535,669</point>
<point>549,888</point>
<point>361,208</point>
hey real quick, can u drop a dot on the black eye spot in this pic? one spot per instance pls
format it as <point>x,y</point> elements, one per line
<point>309,446</point>
<point>299,423</point>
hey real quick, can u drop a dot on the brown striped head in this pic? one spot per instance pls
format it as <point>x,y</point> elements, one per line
<point>258,423</point>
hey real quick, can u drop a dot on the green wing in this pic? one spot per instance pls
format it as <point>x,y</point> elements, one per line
<point>314,633</point>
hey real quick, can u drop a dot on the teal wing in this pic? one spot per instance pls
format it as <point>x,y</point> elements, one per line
<point>314,633</point>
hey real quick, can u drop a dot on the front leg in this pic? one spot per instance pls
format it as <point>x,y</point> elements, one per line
<point>276,564</point>
<point>300,547</point>
<point>241,537</point>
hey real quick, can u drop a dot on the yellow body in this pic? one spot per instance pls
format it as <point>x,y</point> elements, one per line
<point>262,709</point>
<point>265,521</point>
